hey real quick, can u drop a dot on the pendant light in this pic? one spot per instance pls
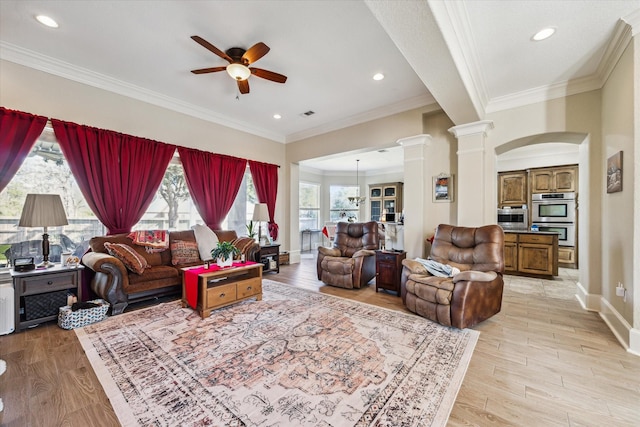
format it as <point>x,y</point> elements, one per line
<point>357,200</point>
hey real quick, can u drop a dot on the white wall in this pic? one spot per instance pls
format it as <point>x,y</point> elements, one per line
<point>37,92</point>
<point>538,156</point>
<point>618,208</point>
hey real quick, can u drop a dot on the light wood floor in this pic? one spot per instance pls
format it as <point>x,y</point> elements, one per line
<point>543,361</point>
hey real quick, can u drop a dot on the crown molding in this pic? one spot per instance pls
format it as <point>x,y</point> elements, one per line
<point>614,50</point>
<point>72,72</point>
<point>544,93</point>
<point>633,19</point>
<point>618,43</point>
<point>462,47</point>
<point>376,113</point>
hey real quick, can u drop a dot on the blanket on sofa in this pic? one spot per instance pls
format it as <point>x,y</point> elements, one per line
<point>437,269</point>
<point>152,240</point>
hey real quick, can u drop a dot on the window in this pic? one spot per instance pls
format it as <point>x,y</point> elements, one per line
<point>242,210</point>
<point>173,208</point>
<point>309,210</point>
<point>45,171</point>
<point>340,207</point>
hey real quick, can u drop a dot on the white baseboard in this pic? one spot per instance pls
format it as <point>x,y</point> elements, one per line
<point>634,341</point>
<point>627,336</point>
<point>294,257</point>
<point>588,301</point>
<point>618,325</point>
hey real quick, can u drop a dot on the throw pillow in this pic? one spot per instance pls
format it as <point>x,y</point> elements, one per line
<point>129,257</point>
<point>207,240</point>
<point>184,252</point>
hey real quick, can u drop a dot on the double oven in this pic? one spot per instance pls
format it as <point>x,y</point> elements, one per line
<point>556,212</point>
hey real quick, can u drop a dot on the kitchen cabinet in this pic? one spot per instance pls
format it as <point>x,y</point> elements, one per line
<point>567,257</point>
<point>531,253</point>
<point>385,198</point>
<point>510,252</point>
<point>557,179</point>
<point>512,189</point>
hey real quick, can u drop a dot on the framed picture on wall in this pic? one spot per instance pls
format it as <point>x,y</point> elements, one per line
<point>614,173</point>
<point>443,188</point>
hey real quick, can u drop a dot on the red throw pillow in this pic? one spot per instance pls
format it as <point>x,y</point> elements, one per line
<point>129,257</point>
<point>184,252</point>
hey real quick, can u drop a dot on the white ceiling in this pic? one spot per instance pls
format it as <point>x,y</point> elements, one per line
<point>470,56</point>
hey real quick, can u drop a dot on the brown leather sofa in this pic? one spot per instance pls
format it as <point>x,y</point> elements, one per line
<point>113,282</point>
<point>469,297</point>
<point>351,262</point>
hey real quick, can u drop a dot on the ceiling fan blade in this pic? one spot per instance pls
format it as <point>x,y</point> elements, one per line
<point>208,70</point>
<point>255,52</point>
<point>269,75</point>
<point>202,42</point>
<point>243,85</point>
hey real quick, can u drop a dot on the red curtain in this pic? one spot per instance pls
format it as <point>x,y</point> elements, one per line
<point>213,181</point>
<point>265,179</point>
<point>18,133</point>
<point>118,174</point>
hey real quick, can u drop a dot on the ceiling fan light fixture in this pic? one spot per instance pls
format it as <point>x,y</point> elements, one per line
<point>238,71</point>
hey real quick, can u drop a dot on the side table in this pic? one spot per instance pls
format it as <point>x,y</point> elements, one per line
<point>268,255</point>
<point>389,270</point>
<point>39,293</point>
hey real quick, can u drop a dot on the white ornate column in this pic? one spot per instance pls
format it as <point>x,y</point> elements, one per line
<point>472,194</point>
<point>416,189</point>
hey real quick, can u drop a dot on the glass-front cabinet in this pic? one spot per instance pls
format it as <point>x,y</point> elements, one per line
<point>376,209</point>
<point>385,201</point>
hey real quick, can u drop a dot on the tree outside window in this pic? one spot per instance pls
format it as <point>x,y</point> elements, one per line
<point>45,171</point>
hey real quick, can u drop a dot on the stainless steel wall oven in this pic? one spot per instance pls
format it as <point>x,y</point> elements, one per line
<point>553,207</point>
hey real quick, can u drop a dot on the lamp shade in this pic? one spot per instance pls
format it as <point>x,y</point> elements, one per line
<point>43,210</point>
<point>261,212</point>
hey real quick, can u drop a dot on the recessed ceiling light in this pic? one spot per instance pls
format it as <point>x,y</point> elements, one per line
<point>45,20</point>
<point>277,116</point>
<point>545,33</point>
<point>378,76</point>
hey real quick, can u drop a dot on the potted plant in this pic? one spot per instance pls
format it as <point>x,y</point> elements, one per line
<point>251,231</point>
<point>223,253</point>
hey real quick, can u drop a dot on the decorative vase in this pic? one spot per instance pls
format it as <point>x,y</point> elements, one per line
<point>222,263</point>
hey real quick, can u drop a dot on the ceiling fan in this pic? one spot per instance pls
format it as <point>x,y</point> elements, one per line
<point>239,61</point>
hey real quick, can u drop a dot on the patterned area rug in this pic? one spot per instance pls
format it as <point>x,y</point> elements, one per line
<point>295,358</point>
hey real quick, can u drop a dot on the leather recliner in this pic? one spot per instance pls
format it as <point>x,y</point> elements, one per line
<point>351,262</point>
<point>469,297</point>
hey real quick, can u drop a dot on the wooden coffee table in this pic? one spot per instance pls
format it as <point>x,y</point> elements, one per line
<point>224,287</point>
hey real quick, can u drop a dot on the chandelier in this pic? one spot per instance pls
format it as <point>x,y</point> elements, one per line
<point>357,200</point>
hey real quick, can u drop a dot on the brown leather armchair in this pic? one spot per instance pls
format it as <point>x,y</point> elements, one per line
<point>351,262</point>
<point>469,297</point>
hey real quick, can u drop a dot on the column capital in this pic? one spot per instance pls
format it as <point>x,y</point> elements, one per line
<point>482,126</point>
<point>422,139</point>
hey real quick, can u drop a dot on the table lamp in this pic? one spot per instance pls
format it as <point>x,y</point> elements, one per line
<point>261,213</point>
<point>43,210</point>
